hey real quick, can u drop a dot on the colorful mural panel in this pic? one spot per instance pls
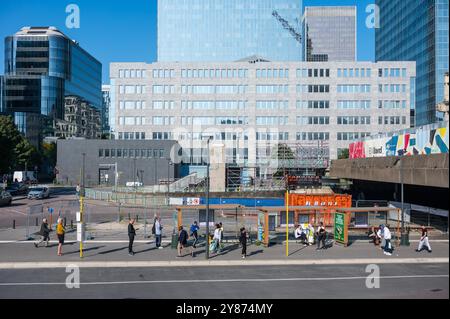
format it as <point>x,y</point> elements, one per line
<point>421,141</point>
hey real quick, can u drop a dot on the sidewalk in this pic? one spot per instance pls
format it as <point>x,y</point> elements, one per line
<point>104,254</point>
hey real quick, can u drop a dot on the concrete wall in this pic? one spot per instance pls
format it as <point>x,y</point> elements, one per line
<point>422,170</point>
<point>70,161</point>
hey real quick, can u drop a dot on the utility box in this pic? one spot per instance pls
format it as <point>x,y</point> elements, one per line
<point>81,232</point>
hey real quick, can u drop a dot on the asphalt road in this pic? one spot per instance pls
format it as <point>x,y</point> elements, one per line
<point>275,282</point>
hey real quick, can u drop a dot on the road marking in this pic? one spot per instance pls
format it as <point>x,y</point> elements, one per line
<point>15,211</point>
<point>197,281</point>
<point>219,263</point>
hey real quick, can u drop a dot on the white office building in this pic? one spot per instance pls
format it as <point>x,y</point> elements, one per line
<point>251,106</point>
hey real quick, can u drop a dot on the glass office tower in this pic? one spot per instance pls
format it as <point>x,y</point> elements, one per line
<point>329,34</point>
<point>42,66</point>
<point>417,30</point>
<point>228,30</point>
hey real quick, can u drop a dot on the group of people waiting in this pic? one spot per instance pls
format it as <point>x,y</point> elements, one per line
<point>305,233</point>
<point>383,238</point>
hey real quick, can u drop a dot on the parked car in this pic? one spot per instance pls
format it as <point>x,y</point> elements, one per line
<point>5,198</point>
<point>17,189</point>
<point>39,193</point>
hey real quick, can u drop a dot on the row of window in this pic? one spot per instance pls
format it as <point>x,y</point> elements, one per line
<point>313,88</point>
<point>272,73</point>
<point>313,73</point>
<point>131,136</point>
<point>272,136</point>
<point>391,120</point>
<point>313,104</point>
<point>392,88</point>
<point>163,74</point>
<point>272,120</point>
<point>313,136</point>
<point>214,89</point>
<point>214,105</point>
<point>214,73</point>
<point>392,73</point>
<point>353,120</point>
<point>354,73</point>
<point>131,153</point>
<point>350,136</point>
<point>272,89</point>
<point>354,88</point>
<point>310,120</point>
<point>163,89</point>
<point>132,89</point>
<point>133,73</point>
<point>132,105</point>
<point>272,105</point>
<point>210,120</point>
<point>390,104</point>
<point>353,105</point>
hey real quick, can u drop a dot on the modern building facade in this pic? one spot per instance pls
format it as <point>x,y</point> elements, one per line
<point>145,162</point>
<point>42,66</point>
<point>1,94</point>
<point>251,108</point>
<point>216,30</point>
<point>81,119</point>
<point>106,105</point>
<point>329,34</point>
<point>417,31</point>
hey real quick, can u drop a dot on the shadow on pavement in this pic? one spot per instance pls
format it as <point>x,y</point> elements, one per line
<point>255,252</point>
<point>113,250</point>
<point>84,250</point>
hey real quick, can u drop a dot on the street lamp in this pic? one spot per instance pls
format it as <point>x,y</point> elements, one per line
<point>208,138</point>
<point>169,163</point>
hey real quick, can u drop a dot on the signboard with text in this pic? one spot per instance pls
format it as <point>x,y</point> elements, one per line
<point>340,228</point>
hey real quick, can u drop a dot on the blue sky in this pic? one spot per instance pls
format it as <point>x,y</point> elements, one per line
<point>125,31</point>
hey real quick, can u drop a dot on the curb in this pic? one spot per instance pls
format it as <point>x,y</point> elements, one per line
<point>185,264</point>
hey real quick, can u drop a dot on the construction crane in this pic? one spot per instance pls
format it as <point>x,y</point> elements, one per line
<point>287,26</point>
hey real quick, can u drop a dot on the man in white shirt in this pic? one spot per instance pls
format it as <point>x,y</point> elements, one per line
<point>387,236</point>
<point>300,234</point>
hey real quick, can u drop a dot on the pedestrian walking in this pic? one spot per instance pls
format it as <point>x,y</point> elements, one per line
<point>182,240</point>
<point>60,232</point>
<point>387,236</point>
<point>194,233</point>
<point>221,236</point>
<point>243,240</point>
<point>321,236</point>
<point>157,231</point>
<point>78,190</point>
<point>45,234</point>
<point>373,235</point>
<point>424,241</point>
<point>131,235</point>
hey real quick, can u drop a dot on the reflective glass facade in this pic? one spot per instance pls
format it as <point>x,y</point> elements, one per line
<point>42,66</point>
<point>329,34</point>
<point>417,30</point>
<point>227,30</point>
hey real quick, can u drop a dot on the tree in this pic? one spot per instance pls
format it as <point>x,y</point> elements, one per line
<point>15,150</point>
<point>344,154</point>
<point>283,154</point>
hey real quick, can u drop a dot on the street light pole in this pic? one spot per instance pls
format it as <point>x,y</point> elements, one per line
<point>82,194</point>
<point>169,163</point>
<point>207,198</point>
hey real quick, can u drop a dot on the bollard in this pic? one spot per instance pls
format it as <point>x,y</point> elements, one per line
<point>137,219</point>
<point>14,224</point>
<point>37,223</point>
<point>71,224</point>
<point>129,216</point>
<point>65,222</point>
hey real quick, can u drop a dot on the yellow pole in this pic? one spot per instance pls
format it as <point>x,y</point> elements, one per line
<point>287,223</point>
<point>81,224</point>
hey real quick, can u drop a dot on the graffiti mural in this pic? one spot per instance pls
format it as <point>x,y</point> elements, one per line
<point>426,140</point>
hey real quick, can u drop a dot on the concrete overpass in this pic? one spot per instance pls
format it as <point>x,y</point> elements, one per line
<point>420,170</point>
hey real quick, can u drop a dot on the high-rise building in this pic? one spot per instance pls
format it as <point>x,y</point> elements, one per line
<point>106,105</point>
<point>252,107</point>
<point>42,67</point>
<point>329,34</point>
<point>228,30</point>
<point>1,94</point>
<point>417,31</point>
